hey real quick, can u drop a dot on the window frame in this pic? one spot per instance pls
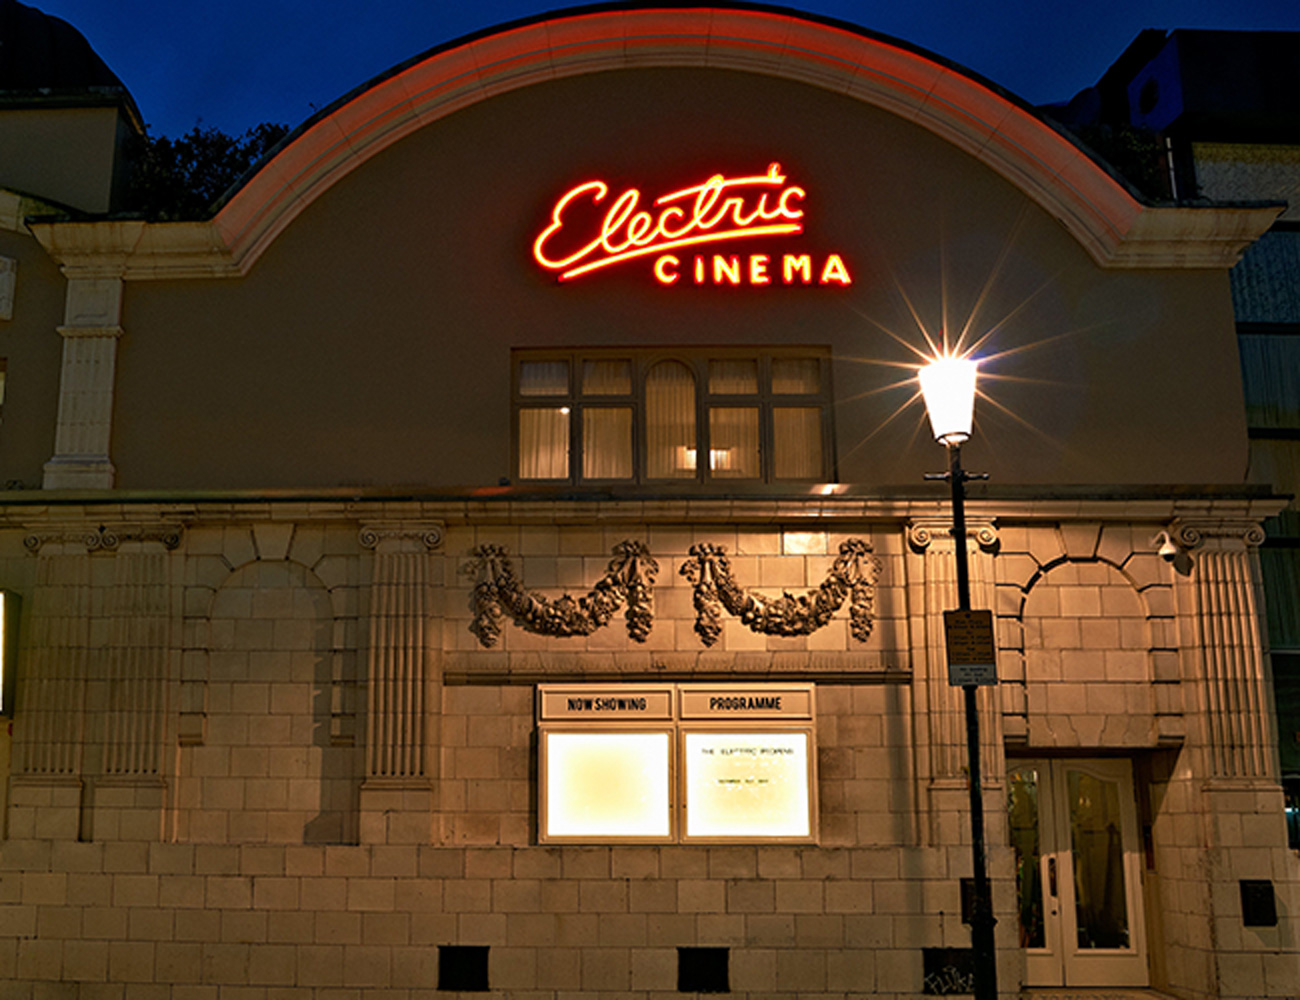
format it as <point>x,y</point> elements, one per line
<point>696,360</point>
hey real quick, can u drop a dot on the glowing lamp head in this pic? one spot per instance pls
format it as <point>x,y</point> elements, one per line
<point>948,386</point>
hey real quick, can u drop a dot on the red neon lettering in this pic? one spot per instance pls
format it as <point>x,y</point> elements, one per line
<point>726,269</point>
<point>755,269</point>
<point>801,264</point>
<point>662,272</point>
<point>704,216</point>
<point>834,271</point>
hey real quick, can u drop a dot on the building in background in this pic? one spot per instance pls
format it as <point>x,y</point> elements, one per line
<point>1219,111</point>
<point>65,119</point>
<point>492,552</point>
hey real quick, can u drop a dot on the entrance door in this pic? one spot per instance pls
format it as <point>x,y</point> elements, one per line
<point>1074,829</point>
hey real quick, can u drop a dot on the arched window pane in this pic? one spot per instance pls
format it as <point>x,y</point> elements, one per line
<point>670,421</point>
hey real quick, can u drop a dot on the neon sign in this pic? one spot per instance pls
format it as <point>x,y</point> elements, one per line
<point>721,210</point>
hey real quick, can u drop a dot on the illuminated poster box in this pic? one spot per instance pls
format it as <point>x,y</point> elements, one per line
<point>748,785</point>
<point>606,786</point>
<point>667,763</point>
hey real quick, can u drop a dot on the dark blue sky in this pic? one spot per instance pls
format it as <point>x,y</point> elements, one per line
<point>235,63</point>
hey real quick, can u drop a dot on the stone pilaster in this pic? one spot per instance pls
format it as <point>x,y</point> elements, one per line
<point>1237,703</point>
<point>1241,802</point>
<point>397,795</point>
<point>129,792</point>
<point>46,793</point>
<point>92,317</point>
<point>94,694</point>
<point>932,590</point>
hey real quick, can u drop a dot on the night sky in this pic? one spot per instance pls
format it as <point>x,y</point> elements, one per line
<point>235,63</point>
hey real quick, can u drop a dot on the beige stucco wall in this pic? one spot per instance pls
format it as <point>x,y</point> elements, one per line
<point>370,345</point>
<point>33,349</point>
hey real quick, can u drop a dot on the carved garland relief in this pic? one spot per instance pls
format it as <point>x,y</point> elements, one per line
<point>629,581</point>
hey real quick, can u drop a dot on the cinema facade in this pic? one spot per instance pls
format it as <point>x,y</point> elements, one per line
<point>493,552</point>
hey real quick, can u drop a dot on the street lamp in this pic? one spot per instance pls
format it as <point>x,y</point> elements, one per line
<point>948,387</point>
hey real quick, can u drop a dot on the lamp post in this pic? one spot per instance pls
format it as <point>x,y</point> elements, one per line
<point>948,386</point>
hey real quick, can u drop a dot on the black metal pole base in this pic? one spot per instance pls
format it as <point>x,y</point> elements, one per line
<point>982,919</point>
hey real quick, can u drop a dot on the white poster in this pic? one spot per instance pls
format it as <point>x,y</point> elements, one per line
<point>747,784</point>
<point>607,784</point>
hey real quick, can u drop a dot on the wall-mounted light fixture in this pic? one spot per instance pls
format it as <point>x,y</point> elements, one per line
<point>1168,549</point>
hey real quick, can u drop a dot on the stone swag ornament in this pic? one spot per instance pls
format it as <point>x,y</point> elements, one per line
<point>629,581</point>
<point>852,575</point>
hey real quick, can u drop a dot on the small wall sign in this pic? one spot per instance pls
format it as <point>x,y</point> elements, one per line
<point>972,652</point>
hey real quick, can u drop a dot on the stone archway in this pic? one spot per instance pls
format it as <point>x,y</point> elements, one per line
<point>267,770</point>
<point>1087,659</point>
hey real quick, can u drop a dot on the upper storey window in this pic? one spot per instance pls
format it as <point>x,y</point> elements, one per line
<point>656,415</point>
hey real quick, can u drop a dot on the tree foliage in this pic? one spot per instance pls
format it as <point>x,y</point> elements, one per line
<point>1136,153</point>
<point>183,178</point>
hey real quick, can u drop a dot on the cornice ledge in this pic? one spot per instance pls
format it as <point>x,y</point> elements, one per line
<point>138,250</point>
<point>1214,236</point>
<point>531,666</point>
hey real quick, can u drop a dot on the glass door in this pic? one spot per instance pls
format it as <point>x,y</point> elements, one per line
<point>1073,825</point>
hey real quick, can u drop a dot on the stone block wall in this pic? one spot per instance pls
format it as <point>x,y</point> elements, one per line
<point>197,922</point>
<point>264,754</point>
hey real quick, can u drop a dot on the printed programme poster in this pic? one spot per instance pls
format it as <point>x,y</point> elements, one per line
<point>747,785</point>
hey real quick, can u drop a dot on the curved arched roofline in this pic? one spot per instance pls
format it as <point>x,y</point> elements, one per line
<point>972,114</point>
<point>953,104</point>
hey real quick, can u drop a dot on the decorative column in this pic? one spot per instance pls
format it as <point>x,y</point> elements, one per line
<point>397,794</point>
<point>130,792</point>
<point>92,317</point>
<point>45,798</point>
<point>94,694</point>
<point>932,590</point>
<point>1250,903</point>
<point>1238,706</point>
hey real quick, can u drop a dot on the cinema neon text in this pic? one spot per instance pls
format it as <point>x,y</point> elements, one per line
<point>721,210</point>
